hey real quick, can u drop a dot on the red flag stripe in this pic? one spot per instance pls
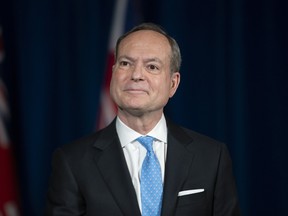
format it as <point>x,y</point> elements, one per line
<point>108,110</point>
<point>8,189</point>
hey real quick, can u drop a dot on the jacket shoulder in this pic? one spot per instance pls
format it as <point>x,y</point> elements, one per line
<point>193,139</point>
<point>92,142</point>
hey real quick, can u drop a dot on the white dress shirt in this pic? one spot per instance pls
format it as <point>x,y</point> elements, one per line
<point>135,153</point>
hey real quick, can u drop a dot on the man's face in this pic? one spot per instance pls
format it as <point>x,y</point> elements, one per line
<point>141,80</point>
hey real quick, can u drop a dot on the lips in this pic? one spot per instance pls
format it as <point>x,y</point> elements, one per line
<point>136,90</point>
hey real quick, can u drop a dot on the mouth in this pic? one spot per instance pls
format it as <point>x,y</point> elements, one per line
<point>136,91</point>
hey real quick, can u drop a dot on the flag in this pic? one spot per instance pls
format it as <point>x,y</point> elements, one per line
<point>108,109</point>
<point>8,189</point>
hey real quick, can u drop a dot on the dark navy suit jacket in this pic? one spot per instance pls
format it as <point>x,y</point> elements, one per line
<point>90,177</point>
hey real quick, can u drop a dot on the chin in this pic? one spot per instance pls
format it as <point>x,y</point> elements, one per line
<point>136,111</point>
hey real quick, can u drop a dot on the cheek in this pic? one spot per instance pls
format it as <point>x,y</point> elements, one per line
<point>164,88</point>
<point>115,80</point>
<point>117,84</point>
<point>119,76</point>
<point>113,84</point>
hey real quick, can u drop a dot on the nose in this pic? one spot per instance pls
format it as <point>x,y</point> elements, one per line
<point>137,73</point>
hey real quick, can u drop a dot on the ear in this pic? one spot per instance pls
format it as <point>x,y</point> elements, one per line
<point>175,81</point>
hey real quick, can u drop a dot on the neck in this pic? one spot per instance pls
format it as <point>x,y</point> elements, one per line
<point>143,124</point>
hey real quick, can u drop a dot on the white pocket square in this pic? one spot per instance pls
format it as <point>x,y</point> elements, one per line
<point>188,192</point>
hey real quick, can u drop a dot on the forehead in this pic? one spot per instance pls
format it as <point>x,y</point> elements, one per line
<point>145,40</point>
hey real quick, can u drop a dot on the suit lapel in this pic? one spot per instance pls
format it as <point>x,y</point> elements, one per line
<point>112,165</point>
<point>178,161</point>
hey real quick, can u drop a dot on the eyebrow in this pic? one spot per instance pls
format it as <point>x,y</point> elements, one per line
<point>154,59</point>
<point>126,57</point>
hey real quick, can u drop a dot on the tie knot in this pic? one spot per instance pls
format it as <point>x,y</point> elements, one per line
<point>147,142</point>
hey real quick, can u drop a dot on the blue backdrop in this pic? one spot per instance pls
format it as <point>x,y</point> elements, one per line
<point>233,87</point>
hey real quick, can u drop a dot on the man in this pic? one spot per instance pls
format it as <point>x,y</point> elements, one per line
<point>106,173</point>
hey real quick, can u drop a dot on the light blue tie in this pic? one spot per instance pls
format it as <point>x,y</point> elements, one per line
<point>151,180</point>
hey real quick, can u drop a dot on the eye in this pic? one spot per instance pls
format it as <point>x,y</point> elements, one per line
<point>152,67</point>
<point>124,63</point>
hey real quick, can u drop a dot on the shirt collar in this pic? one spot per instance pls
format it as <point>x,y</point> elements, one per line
<point>128,135</point>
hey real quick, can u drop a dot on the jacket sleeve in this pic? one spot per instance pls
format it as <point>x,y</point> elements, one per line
<point>63,197</point>
<point>225,194</point>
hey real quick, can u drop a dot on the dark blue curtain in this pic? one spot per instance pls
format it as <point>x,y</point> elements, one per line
<point>233,87</point>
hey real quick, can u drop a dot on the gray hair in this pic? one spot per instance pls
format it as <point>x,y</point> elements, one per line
<point>175,61</point>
